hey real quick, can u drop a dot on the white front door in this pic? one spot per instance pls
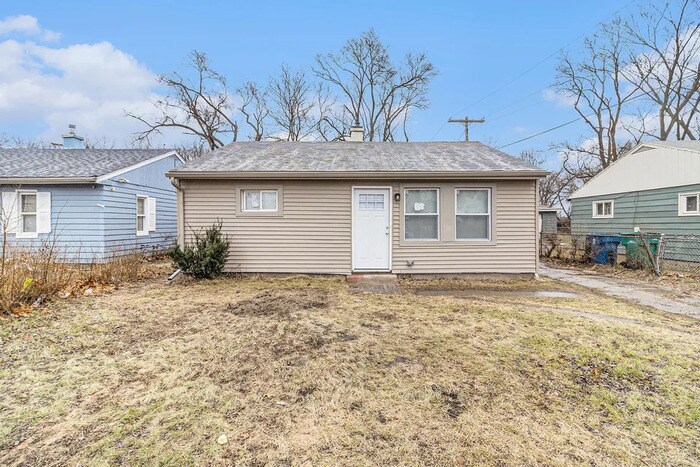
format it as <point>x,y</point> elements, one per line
<point>371,236</point>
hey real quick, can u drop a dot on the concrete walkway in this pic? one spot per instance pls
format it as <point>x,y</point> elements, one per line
<point>648,295</point>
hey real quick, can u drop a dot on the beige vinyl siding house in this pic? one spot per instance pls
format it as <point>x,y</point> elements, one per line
<point>300,208</point>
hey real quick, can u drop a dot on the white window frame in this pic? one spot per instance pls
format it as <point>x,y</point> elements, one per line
<point>604,216</point>
<point>405,214</point>
<point>487,214</point>
<point>144,232</point>
<point>682,202</point>
<point>20,215</point>
<point>260,191</point>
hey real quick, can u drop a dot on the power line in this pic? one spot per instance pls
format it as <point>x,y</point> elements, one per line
<point>533,66</point>
<point>569,122</point>
<point>541,133</point>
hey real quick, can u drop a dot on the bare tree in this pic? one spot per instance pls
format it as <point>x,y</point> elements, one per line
<point>200,107</point>
<point>377,94</point>
<point>556,187</point>
<point>293,100</point>
<point>193,150</point>
<point>595,83</point>
<point>665,65</point>
<point>255,109</point>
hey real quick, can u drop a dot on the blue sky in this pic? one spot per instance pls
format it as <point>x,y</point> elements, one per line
<point>476,46</point>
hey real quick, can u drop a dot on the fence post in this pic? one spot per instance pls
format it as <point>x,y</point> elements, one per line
<point>659,254</point>
<point>647,249</point>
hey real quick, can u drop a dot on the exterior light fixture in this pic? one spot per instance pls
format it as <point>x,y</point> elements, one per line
<point>397,197</point>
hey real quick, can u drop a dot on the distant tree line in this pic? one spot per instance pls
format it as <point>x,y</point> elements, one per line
<point>359,84</point>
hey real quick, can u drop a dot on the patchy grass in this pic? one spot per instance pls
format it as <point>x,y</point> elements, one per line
<point>302,371</point>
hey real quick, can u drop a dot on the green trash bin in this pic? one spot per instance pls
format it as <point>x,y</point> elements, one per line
<point>637,256</point>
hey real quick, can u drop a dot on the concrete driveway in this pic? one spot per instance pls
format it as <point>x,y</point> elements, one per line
<point>644,294</point>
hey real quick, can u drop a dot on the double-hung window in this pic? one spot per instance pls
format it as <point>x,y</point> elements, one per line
<point>689,204</point>
<point>260,200</point>
<point>603,209</point>
<point>421,214</point>
<point>28,213</point>
<point>141,223</point>
<point>473,213</point>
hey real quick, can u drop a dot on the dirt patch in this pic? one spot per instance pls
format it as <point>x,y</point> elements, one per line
<point>281,303</point>
<point>593,371</point>
<point>450,398</point>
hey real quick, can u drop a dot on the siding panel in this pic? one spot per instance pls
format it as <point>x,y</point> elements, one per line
<point>76,222</point>
<point>651,210</point>
<point>314,233</point>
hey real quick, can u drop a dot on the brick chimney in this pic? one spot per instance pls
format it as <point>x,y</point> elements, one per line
<point>357,133</point>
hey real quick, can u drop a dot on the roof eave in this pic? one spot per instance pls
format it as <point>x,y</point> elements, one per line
<point>519,174</point>
<point>46,180</point>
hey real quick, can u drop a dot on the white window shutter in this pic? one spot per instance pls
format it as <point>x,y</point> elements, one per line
<point>43,212</point>
<point>10,212</point>
<point>151,214</point>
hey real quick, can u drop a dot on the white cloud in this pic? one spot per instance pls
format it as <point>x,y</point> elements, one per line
<point>27,26</point>
<point>90,85</point>
<point>561,99</point>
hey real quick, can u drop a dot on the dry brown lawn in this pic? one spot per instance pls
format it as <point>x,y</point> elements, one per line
<point>301,371</point>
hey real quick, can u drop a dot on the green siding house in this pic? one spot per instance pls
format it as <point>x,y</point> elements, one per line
<point>549,220</point>
<point>655,187</point>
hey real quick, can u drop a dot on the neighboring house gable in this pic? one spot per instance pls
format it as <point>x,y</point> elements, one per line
<point>647,167</point>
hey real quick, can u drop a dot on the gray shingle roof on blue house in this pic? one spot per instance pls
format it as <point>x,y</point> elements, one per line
<point>353,158</point>
<point>82,165</point>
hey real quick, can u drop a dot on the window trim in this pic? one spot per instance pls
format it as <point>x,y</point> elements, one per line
<point>261,191</point>
<point>142,233</point>
<point>604,216</point>
<point>404,213</point>
<point>489,214</point>
<point>682,202</point>
<point>20,233</point>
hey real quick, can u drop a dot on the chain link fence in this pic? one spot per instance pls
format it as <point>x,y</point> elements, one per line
<point>640,250</point>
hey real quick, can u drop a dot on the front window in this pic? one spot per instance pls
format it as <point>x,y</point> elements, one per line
<point>473,211</point>
<point>689,204</point>
<point>28,212</point>
<point>260,200</point>
<point>421,214</point>
<point>603,209</point>
<point>141,227</point>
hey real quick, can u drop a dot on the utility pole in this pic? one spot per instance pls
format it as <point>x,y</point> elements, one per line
<point>466,121</point>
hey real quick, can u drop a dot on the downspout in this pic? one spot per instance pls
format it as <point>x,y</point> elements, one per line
<point>180,211</point>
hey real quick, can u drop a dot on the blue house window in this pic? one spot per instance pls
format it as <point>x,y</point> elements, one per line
<point>28,212</point>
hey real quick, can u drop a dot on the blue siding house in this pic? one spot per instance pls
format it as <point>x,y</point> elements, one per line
<point>92,204</point>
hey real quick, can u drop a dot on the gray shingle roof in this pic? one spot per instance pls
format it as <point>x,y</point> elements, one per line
<point>69,163</point>
<point>348,157</point>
